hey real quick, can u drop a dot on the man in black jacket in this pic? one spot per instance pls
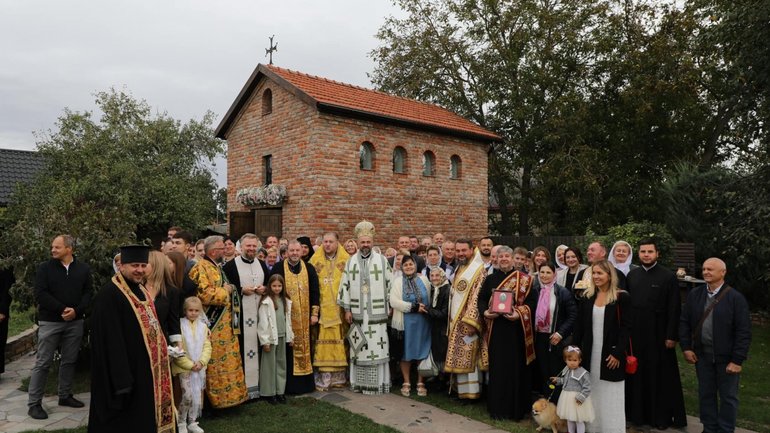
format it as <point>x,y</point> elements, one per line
<point>715,333</point>
<point>63,289</point>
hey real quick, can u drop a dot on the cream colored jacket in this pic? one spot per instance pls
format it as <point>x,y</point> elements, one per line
<point>267,328</point>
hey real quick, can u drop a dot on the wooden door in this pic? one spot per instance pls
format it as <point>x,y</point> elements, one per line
<point>267,222</point>
<point>241,223</point>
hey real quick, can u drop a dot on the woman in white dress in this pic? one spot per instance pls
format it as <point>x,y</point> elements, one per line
<point>602,332</point>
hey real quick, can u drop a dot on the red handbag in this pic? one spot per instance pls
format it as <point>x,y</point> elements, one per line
<point>631,362</point>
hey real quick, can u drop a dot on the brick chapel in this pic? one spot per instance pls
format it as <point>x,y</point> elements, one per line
<point>344,153</point>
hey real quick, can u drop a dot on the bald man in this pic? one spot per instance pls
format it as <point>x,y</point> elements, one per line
<point>715,333</point>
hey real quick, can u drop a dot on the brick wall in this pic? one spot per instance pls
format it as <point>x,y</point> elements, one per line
<point>317,157</point>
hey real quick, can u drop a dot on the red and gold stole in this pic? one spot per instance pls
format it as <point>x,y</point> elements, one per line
<point>157,350</point>
<point>298,288</point>
<point>519,283</point>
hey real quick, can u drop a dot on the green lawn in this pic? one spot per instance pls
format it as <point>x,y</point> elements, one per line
<point>303,414</point>
<point>20,320</point>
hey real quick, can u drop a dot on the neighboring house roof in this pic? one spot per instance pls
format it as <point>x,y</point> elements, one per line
<point>359,102</point>
<point>17,166</point>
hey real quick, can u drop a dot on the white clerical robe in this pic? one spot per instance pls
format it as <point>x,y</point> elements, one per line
<point>364,291</point>
<point>251,275</point>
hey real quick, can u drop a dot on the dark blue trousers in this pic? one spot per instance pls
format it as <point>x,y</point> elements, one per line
<point>717,414</point>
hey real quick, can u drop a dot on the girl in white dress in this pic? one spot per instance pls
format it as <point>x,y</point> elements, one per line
<point>575,400</point>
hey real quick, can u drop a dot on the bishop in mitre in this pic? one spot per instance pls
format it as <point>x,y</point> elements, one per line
<point>364,291</point>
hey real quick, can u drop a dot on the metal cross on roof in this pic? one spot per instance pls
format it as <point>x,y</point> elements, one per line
<point>269,51</point>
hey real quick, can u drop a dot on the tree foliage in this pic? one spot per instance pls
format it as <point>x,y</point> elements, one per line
<point>596,99</point>
<point>120,178</point>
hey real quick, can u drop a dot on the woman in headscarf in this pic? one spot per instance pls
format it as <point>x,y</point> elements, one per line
<point>410,298</point>
<point>621,256</point>
<point>438,311</point>
<point>307,248</point>
<point>560,250</point>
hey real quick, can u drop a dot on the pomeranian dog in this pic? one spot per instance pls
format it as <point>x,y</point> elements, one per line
<point>544,413</point>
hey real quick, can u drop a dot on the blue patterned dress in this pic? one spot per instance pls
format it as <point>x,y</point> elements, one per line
<point>416,325</point>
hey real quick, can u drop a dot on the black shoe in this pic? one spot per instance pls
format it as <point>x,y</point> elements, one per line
<point>281,399</point>
<point>70,402</point>
<point>272,400</point>
<point>37,412</point>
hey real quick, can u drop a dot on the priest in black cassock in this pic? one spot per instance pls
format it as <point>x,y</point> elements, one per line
<point>248,274</point>
<point>510,338</point>
<point>304,291</point>
<point>130,372</point>
<point>654,394</point>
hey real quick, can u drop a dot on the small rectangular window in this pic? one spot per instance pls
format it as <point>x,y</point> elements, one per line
<point>267,162</point>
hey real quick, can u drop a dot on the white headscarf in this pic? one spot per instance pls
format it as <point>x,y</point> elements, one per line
<point>625,266</point>
<point>560,264</point>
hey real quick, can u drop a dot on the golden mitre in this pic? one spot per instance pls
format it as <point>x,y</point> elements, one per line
<point>364,228</point>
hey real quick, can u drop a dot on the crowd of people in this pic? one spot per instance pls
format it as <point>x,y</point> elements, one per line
<point>221,321</point>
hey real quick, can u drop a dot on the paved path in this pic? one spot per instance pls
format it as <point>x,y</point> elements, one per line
<point>403,414</point>
<point>13,403</point>
<point>411,416</point>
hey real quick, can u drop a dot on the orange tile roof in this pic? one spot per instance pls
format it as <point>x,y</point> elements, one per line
<point>357,98</point>
<point>350,99</point>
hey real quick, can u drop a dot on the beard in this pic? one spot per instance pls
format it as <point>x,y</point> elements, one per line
<point>365,251</point>
<point>462,261</point>
<point>485,253</point>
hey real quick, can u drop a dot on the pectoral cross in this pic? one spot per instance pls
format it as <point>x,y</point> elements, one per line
<point>376,272</point>
<point>269,51</point>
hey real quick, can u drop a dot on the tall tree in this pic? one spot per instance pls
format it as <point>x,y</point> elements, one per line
<point>126,176</point>
<point>518,68</point>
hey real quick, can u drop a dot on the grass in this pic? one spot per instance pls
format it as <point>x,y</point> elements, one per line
<point>303,414</point>
<point>754,393</point>
<point>20,320</point>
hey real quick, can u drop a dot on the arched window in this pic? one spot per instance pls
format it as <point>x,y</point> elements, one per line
<point>366,155</point>
<point>267,102</point>
<point>455,167</point>
<point>399,160</point>
<point>428,163</point>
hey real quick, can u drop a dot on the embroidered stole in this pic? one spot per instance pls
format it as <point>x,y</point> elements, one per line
<point>298,288</point>
<point>250,275</point>
<point>518,283</point>
<point>157,350</point>
<point>368,287</point>
<point>463,351</point>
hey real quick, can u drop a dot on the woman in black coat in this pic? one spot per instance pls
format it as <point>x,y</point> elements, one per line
<point>602,333</point>
<point>555,318</point>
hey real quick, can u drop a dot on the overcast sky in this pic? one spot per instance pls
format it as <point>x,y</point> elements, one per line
<point>183,57</point>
